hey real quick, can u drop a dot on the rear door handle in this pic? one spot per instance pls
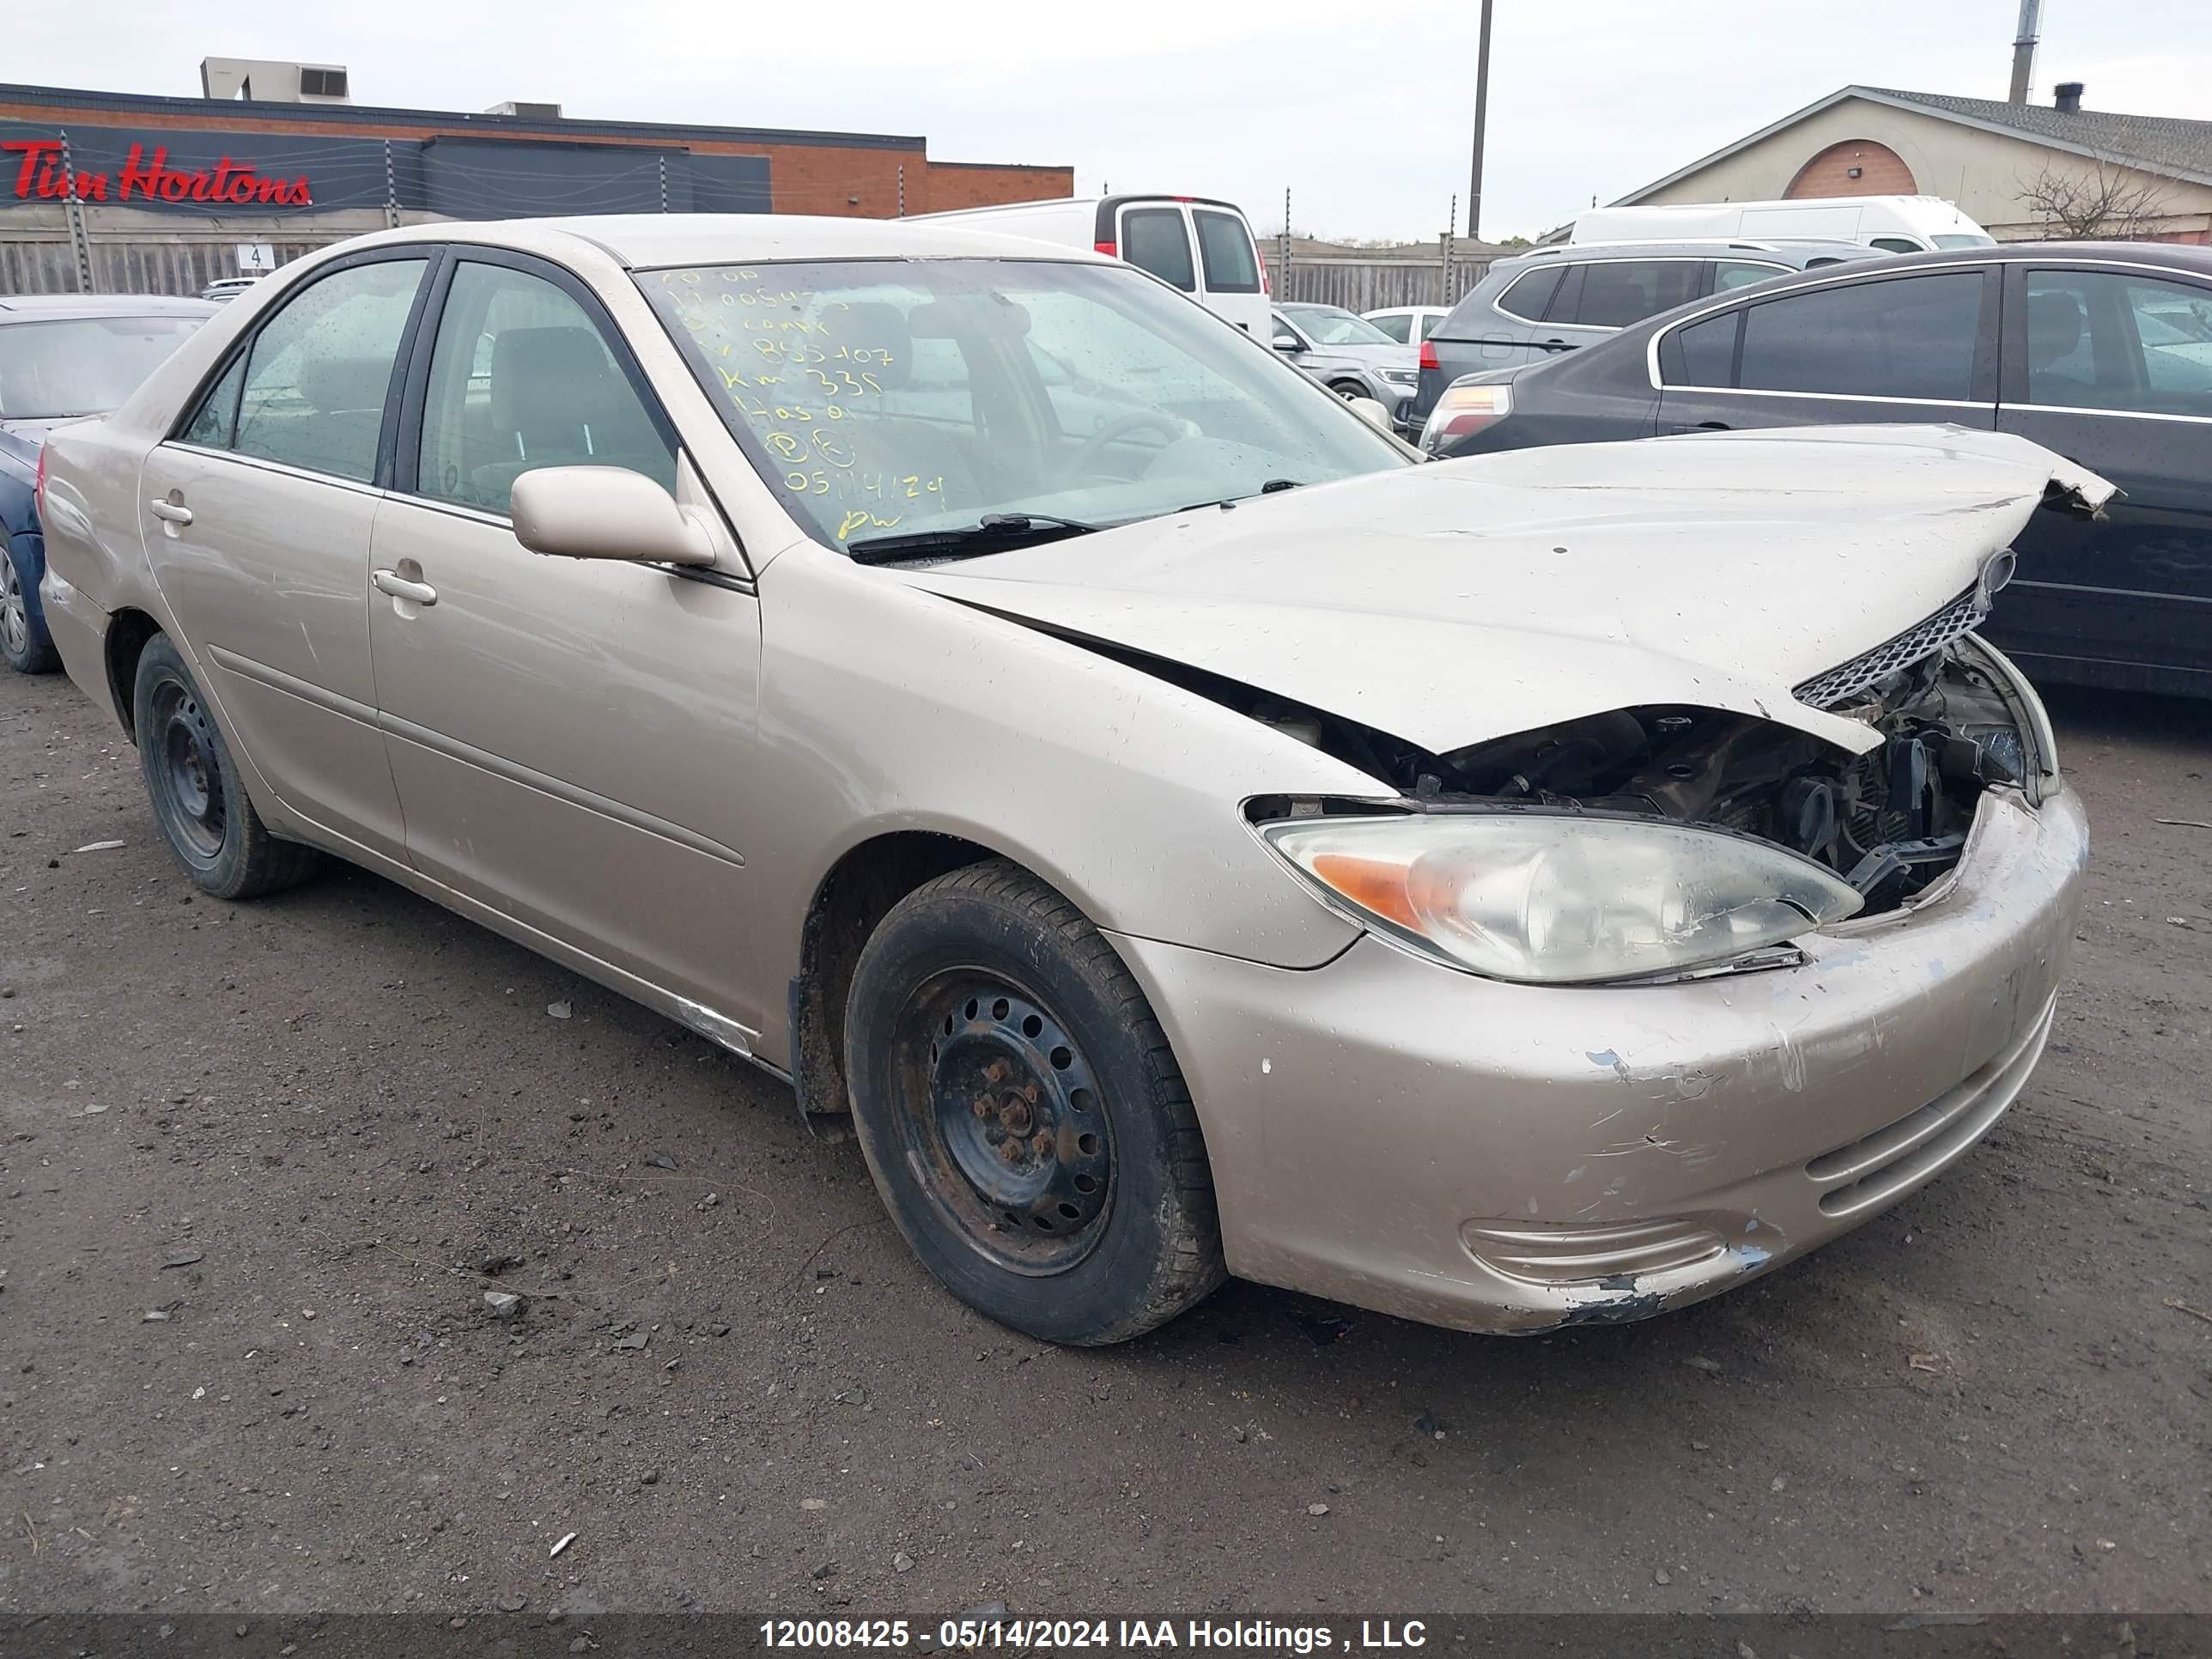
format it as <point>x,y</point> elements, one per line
<point>170,512</point>
<point>1701,425</point>
<point>391,582</point>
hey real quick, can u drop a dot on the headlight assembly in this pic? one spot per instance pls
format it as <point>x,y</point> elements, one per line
<point>1548,899</point>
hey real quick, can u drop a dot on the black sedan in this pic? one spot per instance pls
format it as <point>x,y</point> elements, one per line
<point>63,356</point>
<point>2100,351</point>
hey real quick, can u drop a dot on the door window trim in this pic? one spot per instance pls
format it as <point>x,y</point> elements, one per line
<point>2013,355</point>
<point>1827,279</point>
<point>433,254</point>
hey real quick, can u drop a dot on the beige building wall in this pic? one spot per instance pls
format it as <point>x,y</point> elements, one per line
<point>1984,172</point>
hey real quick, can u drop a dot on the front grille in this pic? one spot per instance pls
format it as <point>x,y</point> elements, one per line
<point>1881,1166</point>
<point>1922,638</point>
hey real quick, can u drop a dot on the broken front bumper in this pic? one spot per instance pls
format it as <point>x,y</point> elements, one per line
<point>1512,1158</point>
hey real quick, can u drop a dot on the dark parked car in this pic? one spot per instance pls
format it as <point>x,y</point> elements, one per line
<point>1549,301</point>
<point>62,355</point>
<point>2100,351</point>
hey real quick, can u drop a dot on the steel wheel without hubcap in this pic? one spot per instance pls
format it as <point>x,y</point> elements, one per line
<point>1003,1110</point>
<point>186,779</point>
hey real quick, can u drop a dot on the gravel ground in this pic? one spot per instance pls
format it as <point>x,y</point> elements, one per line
<point>260,1163</point>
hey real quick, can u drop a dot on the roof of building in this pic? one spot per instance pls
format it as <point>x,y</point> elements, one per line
<point>2163,144</point>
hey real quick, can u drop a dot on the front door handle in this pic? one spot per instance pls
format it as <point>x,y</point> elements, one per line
<point>1679,427</point>
<point>170,512</point>
<point>391,582</point>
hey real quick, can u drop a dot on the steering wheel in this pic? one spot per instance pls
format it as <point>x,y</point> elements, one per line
<point>1079,463</point>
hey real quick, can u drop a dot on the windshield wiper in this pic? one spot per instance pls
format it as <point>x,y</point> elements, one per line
<point>1272,487</point>
<point>990,533</point>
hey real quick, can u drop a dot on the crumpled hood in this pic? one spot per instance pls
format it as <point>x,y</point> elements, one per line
<point>1456,601</point>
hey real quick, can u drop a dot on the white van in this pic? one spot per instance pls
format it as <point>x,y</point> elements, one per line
<point>1896,224</point>
<point>1200,246</point>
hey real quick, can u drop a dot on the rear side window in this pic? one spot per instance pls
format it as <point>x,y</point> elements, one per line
<point>1154,240</point>
<point>1913,337</point>
<point>1618,292</point>
<point>1528,295</point>
<point>1399,328</point>
<point>1894,244</point>
<point>1225,246</point>
<point>317,376</point>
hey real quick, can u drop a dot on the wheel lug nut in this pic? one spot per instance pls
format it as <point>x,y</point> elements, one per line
<point>982,1108</point>
<point>996,1071</point>
<point>1041,1143</point>
<point>1010,1150</point>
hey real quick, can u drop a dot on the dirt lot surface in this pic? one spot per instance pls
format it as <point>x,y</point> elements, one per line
<point>259,1164</point>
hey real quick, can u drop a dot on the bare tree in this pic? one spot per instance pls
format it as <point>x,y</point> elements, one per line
<point>2109,204</point>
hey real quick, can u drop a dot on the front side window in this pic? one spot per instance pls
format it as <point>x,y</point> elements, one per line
<point>1225,246</point>
<point>884,397</point>
<point>316,380</point>
<point>81,365</point>
<point>1154,240</point>
<point>1618,292</point>
<point>1912,338</point>
<point>521,377</point>
<point>2099,339</point>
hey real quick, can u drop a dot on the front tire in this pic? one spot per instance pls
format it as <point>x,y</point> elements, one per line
<point>198,802</point>
<point>1022,1114</point>
<point>1349,389</point>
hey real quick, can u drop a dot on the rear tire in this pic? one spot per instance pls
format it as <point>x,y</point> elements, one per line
<point>1022,1114</point>
<point>24,644</point>
<point>198,802</point>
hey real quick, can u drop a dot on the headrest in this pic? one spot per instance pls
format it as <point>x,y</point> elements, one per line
<point>871,325</point>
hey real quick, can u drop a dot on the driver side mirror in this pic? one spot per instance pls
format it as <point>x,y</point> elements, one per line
<point>604,512</point>
<point>1288,342</point>
<point>1371,412</point>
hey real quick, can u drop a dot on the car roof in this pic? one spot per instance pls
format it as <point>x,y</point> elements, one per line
<point>45,307</point>
<point>1797,251</point>
<point>2176,256</point>
<point>648,241</point>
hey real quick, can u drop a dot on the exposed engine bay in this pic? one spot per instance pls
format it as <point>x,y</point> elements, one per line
<point>1890,822</point>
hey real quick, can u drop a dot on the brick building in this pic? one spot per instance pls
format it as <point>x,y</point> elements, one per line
<point>115,192</point>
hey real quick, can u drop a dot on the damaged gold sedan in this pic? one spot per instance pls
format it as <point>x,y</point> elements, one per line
<point>971,681</point>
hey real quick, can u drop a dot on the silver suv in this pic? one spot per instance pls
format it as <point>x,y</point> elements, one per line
<point>1349,356</point>
<point>1554,298</point>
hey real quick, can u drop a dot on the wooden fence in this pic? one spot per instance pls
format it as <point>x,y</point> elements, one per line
<point>1372,284</point>
<point>40,264</point>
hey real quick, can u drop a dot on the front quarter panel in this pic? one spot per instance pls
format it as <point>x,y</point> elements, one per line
<point>885,709</point>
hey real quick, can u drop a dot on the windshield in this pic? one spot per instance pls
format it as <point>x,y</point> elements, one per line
<point>1960,239</point>
<point>1325,327</point>
<point>81,365</point>
<point>901,396</point>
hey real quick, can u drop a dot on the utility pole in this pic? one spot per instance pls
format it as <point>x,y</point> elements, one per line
<point>80,242</point>
<point>2023,49</point>
<point>1482,118</point>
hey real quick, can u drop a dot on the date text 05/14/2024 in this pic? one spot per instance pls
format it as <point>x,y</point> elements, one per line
<point>1250,1636</point>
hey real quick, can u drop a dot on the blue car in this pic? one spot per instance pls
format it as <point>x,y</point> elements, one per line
<point>63,356</point>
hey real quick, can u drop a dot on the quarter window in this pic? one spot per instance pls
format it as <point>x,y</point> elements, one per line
<point>1530,293</point>
<point>1707,352</point>
<point>319,372</point>
<point>1618,292</point>
<point>1399,328</point>
<point>2104,340</point>
<point>520,378</point>
<point>1154,240</point>
<point>1894,244</point>
<point>1731,273</point>
<point>1226,245</point>
<point>1912,338</point>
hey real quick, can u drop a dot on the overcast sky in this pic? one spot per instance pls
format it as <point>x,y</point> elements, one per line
<point>1363,113</point>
